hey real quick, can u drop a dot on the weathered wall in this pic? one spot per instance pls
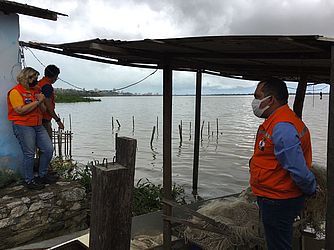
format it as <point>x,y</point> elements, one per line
<point>29,216</point>
<point>10,151</point>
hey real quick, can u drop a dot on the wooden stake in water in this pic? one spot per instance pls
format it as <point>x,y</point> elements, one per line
<point>157,126</point>
<point>119,125</point>
<point>217,128</point>
<point>208,129</point>
<point>181,127</point>
<point>180,132</point>
<point>202,131</point>
<point>70,119</point>
<point>152,136</point>
<point>133,123</point>
<point>190,131</point>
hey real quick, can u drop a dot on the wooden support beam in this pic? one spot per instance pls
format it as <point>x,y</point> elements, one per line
<point>197,130</point>
<point>167,153</point>
<point>112,195</point>
<point>300,96</point>
<point>330,163</point>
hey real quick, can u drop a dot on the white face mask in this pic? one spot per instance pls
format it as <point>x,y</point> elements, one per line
<point>256,106</point>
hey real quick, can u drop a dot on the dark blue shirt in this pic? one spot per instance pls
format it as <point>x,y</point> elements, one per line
<point>288,151</point>
<point>47,90</point>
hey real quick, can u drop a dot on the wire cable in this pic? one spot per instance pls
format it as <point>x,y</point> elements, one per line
<point>74,86</point>
<point>132,84</point>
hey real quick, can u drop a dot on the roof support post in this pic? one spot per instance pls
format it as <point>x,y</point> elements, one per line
<point>197,130</point>
<point>330,162</point>
<point>167,152</point>
<point>300,96</point>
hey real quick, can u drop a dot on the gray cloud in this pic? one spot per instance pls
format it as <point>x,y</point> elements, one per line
<point>139,19</point>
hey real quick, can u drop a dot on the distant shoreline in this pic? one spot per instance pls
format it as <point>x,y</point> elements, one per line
<point>136,95</point>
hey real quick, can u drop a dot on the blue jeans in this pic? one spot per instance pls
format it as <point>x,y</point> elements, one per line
<point>277,218</point>
<point>29,137</point>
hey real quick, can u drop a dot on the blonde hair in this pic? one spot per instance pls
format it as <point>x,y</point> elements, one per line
<point>25,74</point>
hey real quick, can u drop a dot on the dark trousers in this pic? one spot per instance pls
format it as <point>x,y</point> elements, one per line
<point>277,218</point>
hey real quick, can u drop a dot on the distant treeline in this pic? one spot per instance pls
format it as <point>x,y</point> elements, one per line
<point>73,95</point>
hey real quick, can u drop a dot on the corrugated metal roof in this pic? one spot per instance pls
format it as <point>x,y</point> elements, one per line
<point>246,57</point>
<point>12,7</point>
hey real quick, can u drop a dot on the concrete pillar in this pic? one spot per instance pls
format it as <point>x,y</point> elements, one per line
<point>10,151</point>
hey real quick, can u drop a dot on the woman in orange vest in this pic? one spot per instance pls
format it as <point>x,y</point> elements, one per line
<point>25,106</point>
<point>280,173</point>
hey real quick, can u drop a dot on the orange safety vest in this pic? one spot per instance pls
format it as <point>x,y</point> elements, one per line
<point>45,81</point>
<point>34,118</point>
<point>267,177</point>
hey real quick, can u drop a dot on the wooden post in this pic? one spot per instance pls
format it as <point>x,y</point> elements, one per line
<point>70,119</point>
<point>157,126</point>
<point>300,96</point>
<point>330,162</point>
<point>217,129</point>
<point>167,153</point>
<point>190,131</point>
<point>202,131</point>
<point>70,143</point>
<point>119,125</point>
<point>112,193</point>
<point>180,133</point>
<point>208,129</point>
<point>197,130</point>
<point>112,123</point>
<point>60,143</point>
<point>152,136</point>
<point>133,123</point>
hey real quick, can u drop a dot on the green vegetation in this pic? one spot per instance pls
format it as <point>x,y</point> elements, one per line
<point>67,98</point>
<point>147,196</point>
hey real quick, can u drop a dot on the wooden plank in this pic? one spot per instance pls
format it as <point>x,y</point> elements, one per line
<point>112,195</point>
<point>167,152</point>
<point>300,96</point>
<point>197,130</point>
<point>330,164</point>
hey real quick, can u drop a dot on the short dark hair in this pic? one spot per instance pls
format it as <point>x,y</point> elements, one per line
<point>51,71</point>
<point>275,87</point>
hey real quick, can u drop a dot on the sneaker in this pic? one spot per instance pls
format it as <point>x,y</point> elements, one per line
<point>34,185</point>
<point>46,180</point>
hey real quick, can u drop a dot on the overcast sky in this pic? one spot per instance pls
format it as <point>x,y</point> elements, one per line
<point>140,19</point>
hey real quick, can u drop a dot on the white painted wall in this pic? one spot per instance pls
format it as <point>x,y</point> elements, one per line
<point>10,151</point>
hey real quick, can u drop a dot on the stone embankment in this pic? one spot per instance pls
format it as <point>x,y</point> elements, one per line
<point>29,216</point>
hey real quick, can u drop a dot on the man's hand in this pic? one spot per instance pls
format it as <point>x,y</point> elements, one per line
<point>60,125</point>
<point>40,97</point>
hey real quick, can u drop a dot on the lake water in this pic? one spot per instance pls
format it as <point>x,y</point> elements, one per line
<point>224,159</point>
